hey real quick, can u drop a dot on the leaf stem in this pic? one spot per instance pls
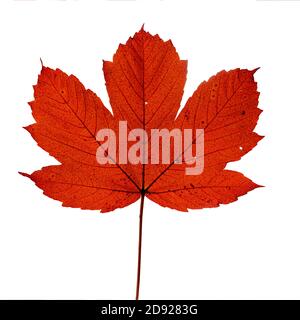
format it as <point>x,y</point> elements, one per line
<point>138,278</point>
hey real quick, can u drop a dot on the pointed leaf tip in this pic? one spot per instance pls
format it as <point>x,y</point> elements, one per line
<point>254,70</point>
<point>24,174</point>
<point>42,63</point>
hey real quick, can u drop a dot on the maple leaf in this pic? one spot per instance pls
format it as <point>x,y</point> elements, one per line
<point>145,83</point>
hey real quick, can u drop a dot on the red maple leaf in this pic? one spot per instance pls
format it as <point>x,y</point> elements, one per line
<point>145,83</point>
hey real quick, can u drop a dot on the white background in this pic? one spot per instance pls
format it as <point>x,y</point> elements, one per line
<point>245,250</point>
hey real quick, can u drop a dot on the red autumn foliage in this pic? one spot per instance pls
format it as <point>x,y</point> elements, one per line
<point>145,83</point>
